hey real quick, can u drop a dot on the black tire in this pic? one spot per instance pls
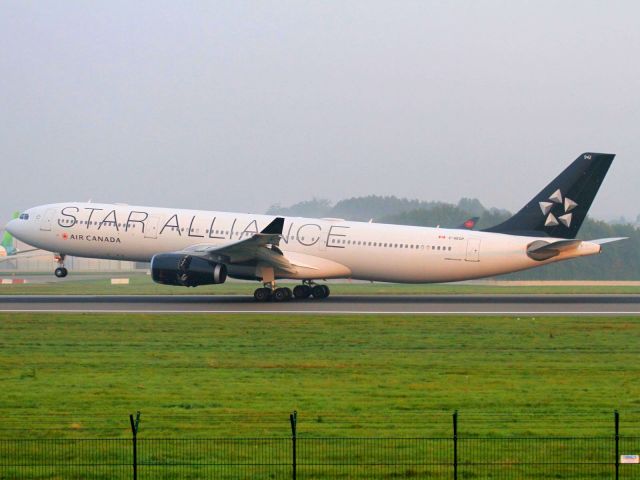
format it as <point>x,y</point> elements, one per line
<point>318,291</point>
<point>327,292</point>
<point>288,292</point>
<point>302,291</point>
<point>281,294</point>
<point>60,272</point>
<point>262,294</point>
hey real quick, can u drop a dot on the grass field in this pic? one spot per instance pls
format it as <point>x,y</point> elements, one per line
<point>80,375</point>
<point>141,284</point>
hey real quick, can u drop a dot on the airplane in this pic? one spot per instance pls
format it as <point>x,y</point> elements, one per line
<point>194,247</point>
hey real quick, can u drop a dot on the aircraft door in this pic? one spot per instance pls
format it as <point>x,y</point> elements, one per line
<point>322,243</point>
<point>473,250</point>
<point>151,227</point>
<point>45,224</point>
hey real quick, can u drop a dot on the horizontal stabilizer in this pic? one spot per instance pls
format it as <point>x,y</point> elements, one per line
<point>602,241</point>
<point>541,250</point>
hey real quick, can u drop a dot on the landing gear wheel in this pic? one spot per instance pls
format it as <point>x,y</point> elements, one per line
<point>327,292</point>
<point>282,294</point>
<point>262,294</point>
<point>302,291</point>
<point>60,272</point>
<point>320,291</point>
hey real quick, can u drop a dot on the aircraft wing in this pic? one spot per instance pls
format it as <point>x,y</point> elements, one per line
<point>261,247</point>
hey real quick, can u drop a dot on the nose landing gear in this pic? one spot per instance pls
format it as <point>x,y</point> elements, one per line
<point>61,271</point>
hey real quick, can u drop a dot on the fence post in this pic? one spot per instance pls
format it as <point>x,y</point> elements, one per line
<point>455,445</point>
<point>293,418</point>
<point>617,422</point>
<point>134,432</point>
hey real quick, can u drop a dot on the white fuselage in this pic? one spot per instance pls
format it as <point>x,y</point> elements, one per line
<point>323,248</point>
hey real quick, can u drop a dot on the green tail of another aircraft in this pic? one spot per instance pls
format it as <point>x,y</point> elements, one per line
<point>7,239</point>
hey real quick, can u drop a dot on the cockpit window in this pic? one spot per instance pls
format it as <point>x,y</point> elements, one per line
<point>24,216</point>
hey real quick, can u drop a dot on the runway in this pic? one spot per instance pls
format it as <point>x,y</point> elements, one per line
<point>339,304</point>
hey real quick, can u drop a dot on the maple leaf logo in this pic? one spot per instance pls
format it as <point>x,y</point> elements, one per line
<point>562,208</point>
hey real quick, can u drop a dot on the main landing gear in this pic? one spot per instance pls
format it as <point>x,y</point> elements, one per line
<point>60,272</point>
<point>282,294</point>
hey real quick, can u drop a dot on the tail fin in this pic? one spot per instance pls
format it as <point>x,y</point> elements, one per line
<point>561,207</point>
<point>7,238</point>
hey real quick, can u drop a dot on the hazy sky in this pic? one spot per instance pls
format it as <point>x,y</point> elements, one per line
<point>238,105</point>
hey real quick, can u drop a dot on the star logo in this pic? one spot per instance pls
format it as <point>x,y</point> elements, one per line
<point>564,204</point>
<point>65,236</point>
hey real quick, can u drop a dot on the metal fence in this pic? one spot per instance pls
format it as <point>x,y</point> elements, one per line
<point>300,457</point>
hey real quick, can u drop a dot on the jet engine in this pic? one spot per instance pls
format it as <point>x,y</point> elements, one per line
<point>186,270</point>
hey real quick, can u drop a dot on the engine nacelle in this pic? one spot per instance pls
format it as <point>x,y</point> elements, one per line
<point>186,270</point>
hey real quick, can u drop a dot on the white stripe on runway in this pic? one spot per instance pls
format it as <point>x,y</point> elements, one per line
<point>336,312</point>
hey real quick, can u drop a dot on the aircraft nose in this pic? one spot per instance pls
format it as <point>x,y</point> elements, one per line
<point>15,227</point>
<point>11,227</point>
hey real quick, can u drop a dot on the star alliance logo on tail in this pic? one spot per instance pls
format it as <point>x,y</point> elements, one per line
<point>556,199</point>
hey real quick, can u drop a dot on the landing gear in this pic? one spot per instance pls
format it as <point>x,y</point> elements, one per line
<point>284,294</point>
<point>320,291</point>
<point>302,291</point>
<point>265,294</point>
<point>262,294</point>
<point>60,272</point>
<point>310,289</point>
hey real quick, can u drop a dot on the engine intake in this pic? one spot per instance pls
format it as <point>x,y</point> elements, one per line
<point>186,270</point>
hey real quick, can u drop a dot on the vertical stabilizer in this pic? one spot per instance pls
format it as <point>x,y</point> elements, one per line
<point>561,207</point>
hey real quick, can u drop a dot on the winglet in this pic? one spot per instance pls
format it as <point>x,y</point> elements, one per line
<point>275,227</point>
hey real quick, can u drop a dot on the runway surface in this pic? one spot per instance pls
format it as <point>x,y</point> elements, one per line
<point>339,304</point>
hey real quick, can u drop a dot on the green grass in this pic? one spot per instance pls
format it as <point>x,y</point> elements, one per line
<point>143,285</point>
<point>80,375</point>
